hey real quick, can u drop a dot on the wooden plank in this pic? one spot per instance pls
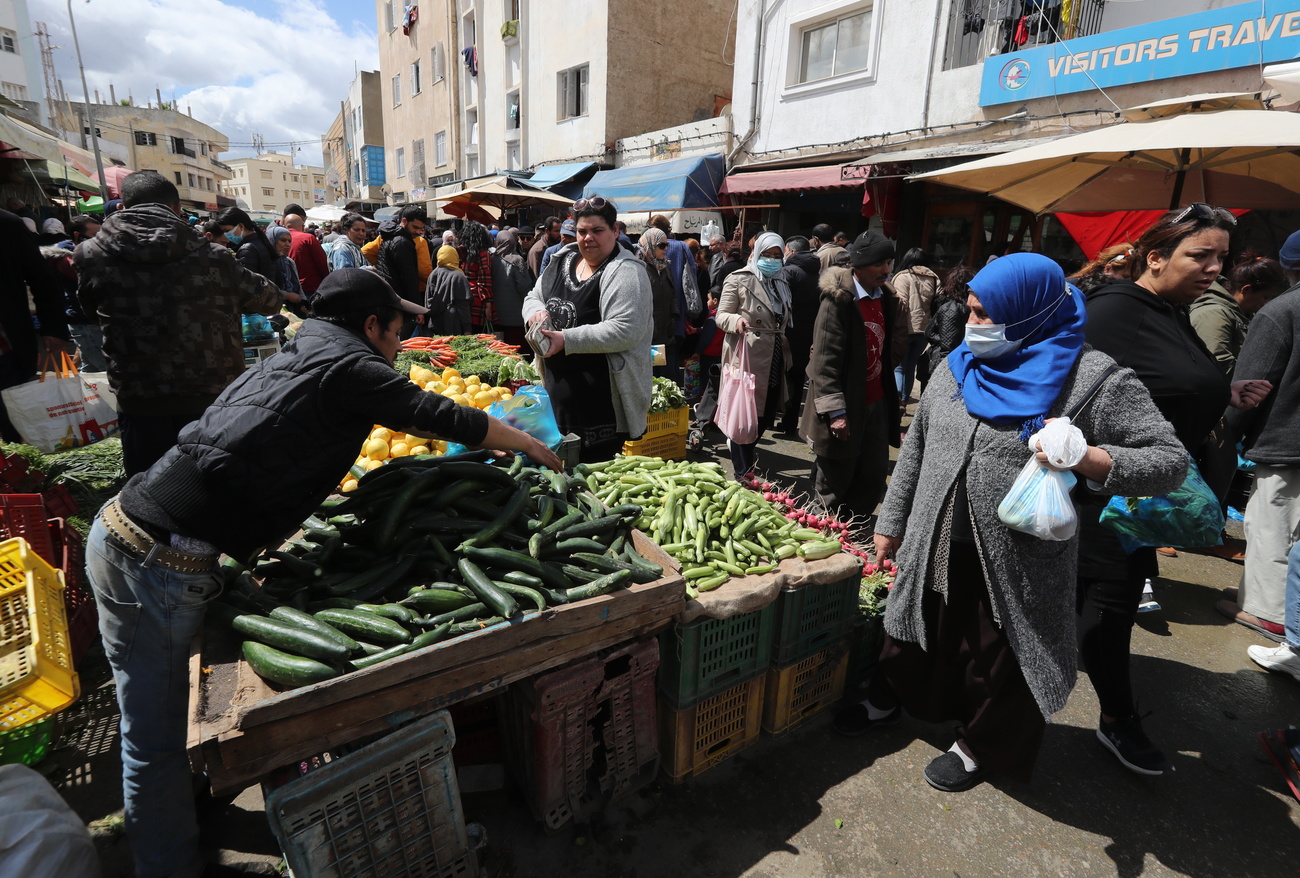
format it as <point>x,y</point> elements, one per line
<point>246,756</point>
<point>260,705</point>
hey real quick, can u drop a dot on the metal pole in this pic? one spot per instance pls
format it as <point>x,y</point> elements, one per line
<point>85,98</point>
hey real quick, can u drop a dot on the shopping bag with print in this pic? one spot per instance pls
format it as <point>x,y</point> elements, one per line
<point>737,415</point>
<point>59,410</point>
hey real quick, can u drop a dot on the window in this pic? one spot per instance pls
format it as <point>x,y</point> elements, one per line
<point>573,92</point>
<point>471,129</point>
<point>203,147</point>
<point>14,91</point>
<point>437,62</point>
<point>266,175</point>
<point>266,191</point>
<point>415,78</point>
<point>295,178</point>
<point>512,10</point>
<point>399,162</point>
<point>177,175</point>
<point>512,111</point>
<point>389,19</point>
<point>397,90</point>
<point>193,182</point>
<point>146,138</point>
<point>86,131</point>
<point>835,47</point>
<point>440,148</point>
<point>8,41</point>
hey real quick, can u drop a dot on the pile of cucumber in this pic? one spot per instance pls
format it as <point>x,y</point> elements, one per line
<point>426,549</point>
<point>714,527</point>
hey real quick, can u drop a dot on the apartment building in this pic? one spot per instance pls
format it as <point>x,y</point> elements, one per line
<point>334,157</point>
<point>165,140</point>
<point>354,148</point>
<point>271,180</point>
<point>20,62</point>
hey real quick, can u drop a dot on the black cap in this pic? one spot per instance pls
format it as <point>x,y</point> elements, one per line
<point>869,248</point>
<point>349,290</point>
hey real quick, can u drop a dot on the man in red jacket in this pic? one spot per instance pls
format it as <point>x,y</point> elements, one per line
<point>305,251</point>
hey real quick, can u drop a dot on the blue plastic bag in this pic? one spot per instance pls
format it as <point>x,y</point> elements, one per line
<point>257,328</point>
<point>1039,503</point>
<point>528,410</point>
<point>1188,516</point>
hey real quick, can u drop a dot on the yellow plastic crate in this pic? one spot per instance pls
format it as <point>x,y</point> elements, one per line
<point>676,420</point>
<point>36,668</point>
<point>804,689</point>
<point>693,740</point>
<point>668,446</point>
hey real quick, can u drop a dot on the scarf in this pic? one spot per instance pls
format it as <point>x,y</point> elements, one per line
<point>1029,294</point>
<point>448,258</point>
<point>778,290</point>
<point>648,246</point>
<point>507,242</point>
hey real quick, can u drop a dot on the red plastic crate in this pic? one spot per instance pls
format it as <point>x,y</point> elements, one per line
<point>83,614</point>
<point>24,515</point>
<point>16,475</point>
<point>59,502</point>
<point>583,735</point>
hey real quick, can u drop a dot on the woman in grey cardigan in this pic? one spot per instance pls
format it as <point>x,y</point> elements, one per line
<point>980,625</point>
<point>596,297</point>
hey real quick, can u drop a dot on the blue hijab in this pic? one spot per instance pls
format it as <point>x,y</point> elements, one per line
<point>1027,292</point>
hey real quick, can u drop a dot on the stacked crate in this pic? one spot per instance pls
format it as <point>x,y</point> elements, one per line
<point>811,652</point>
<point>664,437</point>
<point>583,735</point>
<point>711,684</point>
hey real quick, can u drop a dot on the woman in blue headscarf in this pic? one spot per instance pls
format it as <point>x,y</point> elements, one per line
<point>286,274</point>
<point>980,627</point>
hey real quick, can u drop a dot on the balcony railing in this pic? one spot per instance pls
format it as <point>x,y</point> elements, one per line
<point>980,29</point>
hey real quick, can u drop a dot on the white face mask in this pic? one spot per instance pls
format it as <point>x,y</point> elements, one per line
<point>988,341</point>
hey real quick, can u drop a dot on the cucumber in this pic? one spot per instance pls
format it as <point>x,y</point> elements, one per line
<point>512,560</point>
<point>522,591</point>
<point>590,528</point>
<point>429,638</point>
<point>365,626</point>
<point>576,544</point>
<point>815,549</point>
<point>280,667</point>
<point>603,585</point>
<point>498,601</point>
<point>396,612</point>
<point>297,640</point>
<point>511,511</point>
<point>436,600</point>
<point>294,616</point>
<point>365,661</point>
<point>465,613</point>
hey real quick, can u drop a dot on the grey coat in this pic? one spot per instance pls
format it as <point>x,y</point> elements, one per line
<point>1031,581</point>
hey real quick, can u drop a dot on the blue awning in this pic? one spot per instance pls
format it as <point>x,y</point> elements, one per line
<point>549,175</point>
<point>671,185</point>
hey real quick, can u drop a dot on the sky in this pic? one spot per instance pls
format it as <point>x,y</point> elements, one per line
<point>278,69</point>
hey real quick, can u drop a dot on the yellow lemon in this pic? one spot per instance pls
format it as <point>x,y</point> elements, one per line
<point>440,445</point>
<point>349,486</point>
<point>398,449</point>
<point>381,433</point>
<point>376,449</point>
<point>419,449</point>
<point>449,373</point>
<point>436,385</point>
<point>473,379</point>
<point>451,392</point>
<point>471,389</point>
<point>483,399</point>
<point>460,399</point>
<point>373,464</point>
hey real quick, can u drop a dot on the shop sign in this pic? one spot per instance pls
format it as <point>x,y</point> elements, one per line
<point>318,196</point>
<point>1244,35</point>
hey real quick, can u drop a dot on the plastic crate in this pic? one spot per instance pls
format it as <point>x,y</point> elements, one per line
<point>24,515</point>
<point>668,446</point>
<point>804,689</point>
<point>390,808</point>
<point>27,744</point>
<point>697,738</point>
<point>78,598</point>
<point>865,639</point>
<point>36,670</point>
<point>59,502</point>
<point>811,617</point>
<point>583,735</point>
<point>676,420</point>
<point>478,732</point>
<point>701,658</point>
<point>17,476</point>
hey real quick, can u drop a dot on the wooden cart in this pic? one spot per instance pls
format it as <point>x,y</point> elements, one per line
<point>241,729</point>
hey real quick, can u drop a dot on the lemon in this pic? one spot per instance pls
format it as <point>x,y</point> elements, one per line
<point>449,373</point>
<point>419,449</point>
<point>377,449</point>
<point>381,433</point>
<point>437,386</point>
<point>483,399</point>
<point>473,379</point>
<point>349,486</point>
<point>451,392</point>
<point>398,449</point>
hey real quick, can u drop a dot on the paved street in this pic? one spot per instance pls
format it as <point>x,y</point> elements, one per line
<point>814,804</point>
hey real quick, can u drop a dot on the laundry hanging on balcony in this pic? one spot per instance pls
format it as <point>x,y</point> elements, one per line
<point>471,60</point>
<point>409,17</point>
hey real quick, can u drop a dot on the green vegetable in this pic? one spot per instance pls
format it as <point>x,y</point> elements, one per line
<point>281,667</point>
<point>665,396</point>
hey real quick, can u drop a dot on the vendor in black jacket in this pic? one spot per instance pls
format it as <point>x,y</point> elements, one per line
<point>237,480</point>
<point>1143,324</point>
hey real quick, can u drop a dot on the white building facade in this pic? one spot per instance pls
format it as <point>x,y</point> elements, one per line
<point>20,61</point>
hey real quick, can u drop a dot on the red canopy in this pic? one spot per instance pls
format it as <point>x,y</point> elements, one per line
<point>1094,231</point>
<point>113,181</point>
<point>787,180</point>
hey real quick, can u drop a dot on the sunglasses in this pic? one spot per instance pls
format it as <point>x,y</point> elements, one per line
<point>662,245</point>
<point>595,203</point>
<point>1202,211</point>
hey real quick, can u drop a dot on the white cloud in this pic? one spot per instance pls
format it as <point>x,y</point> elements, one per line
<point>280,74</point>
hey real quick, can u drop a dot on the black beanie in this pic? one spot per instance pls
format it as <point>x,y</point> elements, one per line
<point>870,247</point>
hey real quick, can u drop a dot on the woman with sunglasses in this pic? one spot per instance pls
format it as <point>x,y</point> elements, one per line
<point>653,250</point>
<point>592,313</point>
<point>1142,323</point>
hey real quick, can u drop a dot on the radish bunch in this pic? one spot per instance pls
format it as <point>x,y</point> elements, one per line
<point>792,507</point>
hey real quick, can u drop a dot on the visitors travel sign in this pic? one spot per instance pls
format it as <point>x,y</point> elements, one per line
<point>1244,35</point>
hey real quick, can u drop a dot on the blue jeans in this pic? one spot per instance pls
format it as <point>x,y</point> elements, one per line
<point>1292,610</point>
<point>90,341</point>
<point>147,618</point>
<point>905,372</point>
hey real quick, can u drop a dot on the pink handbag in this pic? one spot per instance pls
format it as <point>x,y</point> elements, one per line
<point>737,415</point>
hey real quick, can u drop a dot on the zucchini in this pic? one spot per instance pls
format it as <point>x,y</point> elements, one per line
<point>280,667</point>
<point>293,639</point>
<point>498,601</point>
<point>365,626</point>
<point>815,549</point>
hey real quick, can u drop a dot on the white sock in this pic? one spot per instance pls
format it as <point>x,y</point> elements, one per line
<point>970,764</point>
<point>873,712</point>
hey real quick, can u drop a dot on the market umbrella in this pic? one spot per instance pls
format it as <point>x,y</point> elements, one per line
<point>475,212</point>
<point>503,193</point>
<point>326,213</point>
<point>1233,158</point>
<point>113,177</point>
<point>62,174</point>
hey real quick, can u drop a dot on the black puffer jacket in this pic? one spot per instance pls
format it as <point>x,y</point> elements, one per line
<point>259,257</point>
<point>397,262</point>
<point>238,479</point>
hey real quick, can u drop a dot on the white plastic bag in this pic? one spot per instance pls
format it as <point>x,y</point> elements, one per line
<point>59,410</point>
<point>1039,503</point>
<point>1062,442</point>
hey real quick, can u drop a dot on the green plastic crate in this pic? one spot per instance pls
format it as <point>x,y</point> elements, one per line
<point>27,744</point>
<point>866,635</point>
<point>703,657</point>
<point>812,617</point>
